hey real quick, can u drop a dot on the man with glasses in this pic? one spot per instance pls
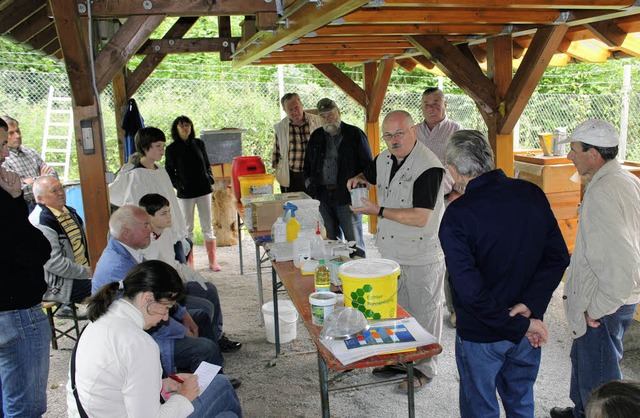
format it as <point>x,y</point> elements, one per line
<point>408,177</point>
<point>336,152</point>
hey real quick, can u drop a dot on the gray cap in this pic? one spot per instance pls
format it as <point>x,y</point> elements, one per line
<point>325,105</point>
<point>594,132</point>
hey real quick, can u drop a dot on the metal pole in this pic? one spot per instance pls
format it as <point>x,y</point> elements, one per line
<point>624,117</point>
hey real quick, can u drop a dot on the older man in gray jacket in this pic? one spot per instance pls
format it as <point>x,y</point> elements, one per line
<point>67,272</point>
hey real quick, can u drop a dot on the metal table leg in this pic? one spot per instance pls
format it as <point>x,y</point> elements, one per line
<point>240,244</point>
<point>259,275</point>
<point>276,320</point>
<point>324,386</point>
<point>410,394</point>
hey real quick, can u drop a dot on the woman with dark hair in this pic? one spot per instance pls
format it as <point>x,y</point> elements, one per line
<point>190,172</point>
<point>115,369</point>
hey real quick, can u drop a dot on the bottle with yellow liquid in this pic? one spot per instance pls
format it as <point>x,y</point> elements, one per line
<point>322,277</point>
<point>293,226</point>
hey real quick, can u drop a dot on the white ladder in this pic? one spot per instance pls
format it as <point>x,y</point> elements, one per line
<point>58,132</point>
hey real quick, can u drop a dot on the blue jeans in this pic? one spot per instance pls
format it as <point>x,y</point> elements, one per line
<point>218,400</point>
<point>340,217</point>
<point>189,352</point>
<point>595,357</point>
<point>210,304</point>
<point>484,367</point>
<point>24,362</point>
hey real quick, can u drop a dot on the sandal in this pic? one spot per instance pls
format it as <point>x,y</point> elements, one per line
<point>420,381</point>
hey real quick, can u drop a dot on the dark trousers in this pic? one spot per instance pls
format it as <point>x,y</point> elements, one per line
<point>296,183</point>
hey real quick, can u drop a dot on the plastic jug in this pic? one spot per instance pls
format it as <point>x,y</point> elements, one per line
<point>279,231</point>
<point>293,227</point>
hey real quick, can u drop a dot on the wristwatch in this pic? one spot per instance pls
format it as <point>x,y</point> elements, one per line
<point>380,215</point>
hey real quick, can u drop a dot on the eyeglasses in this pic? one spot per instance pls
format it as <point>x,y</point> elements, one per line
<point>396,135</point>
<point>158,308</point>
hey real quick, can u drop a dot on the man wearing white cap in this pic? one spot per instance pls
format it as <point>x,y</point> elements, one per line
<point>602,287</point>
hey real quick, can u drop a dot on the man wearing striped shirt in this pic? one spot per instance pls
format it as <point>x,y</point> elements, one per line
<point>67,272</point>
<point>25,161</point>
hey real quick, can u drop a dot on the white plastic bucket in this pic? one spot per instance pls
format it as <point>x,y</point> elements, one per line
<point>322,304</point>
<point>288,318</point>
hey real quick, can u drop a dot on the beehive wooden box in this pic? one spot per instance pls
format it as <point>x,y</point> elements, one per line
<point>550,178</point>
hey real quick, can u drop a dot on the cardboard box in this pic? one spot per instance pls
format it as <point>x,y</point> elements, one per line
<point>263,210</point>
<point>221,171</point>
<point>550,178</point>
<point>564,204</point>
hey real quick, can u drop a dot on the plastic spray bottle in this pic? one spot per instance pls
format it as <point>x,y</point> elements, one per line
<point>293,226</point>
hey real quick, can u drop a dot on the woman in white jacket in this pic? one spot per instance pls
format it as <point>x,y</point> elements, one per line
<point>117,370</point>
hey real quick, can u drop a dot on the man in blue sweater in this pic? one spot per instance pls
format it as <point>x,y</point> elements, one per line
<point>505,255</point>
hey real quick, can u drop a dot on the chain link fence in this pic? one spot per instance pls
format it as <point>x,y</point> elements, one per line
<point>248,103</point>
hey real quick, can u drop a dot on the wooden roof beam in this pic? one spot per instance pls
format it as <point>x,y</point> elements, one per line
<point>453,16</point>
<point>409,64</point>
<point>631,45</point>
<point>18,12</point>
<point>194,8</point>
<point>607,32</point>
<point>459,68</point>
<point>309,18</point>
<point>452,29</point>
<point>533,4</point>
<point>544,44</point>
<point>74,49</point>
<point>44,38</point>
<point>380,85</point>
<point>33,25</point>
<point>151,62</point>
<point>343,82</point>
<point>124,44</point>
<point>372,44</point>
<point>187,46</point>
<point>588,51</point>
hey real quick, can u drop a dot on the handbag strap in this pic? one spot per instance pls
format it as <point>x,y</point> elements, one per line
<point>74,389</point>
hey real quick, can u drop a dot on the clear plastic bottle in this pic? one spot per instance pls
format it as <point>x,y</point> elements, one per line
<point>317,244</point>
<point>322,277</point>
<point>279,231</point>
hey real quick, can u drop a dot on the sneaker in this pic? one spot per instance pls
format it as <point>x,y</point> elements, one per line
<point>557,412</point>
<point>228,346</point>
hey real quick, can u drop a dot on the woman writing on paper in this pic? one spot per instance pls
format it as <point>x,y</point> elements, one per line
<point>116,370</point>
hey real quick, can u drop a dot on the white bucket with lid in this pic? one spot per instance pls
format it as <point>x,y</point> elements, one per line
<point>322,304</point>
<point>288,318</point>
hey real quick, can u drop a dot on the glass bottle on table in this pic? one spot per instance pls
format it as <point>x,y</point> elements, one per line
<point>322,277</point>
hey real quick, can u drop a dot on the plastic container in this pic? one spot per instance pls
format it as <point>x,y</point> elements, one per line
<point>322,304</point>
<point>371,286</point>
<point>279,231</point>
<point>293,226</point>
<point>255,184</point>
<point>301,250</point>
<point>322,277</point>
<point>307,214</point>
<point>242,166</point>
<point>287,321</point>
<point>357,193</point>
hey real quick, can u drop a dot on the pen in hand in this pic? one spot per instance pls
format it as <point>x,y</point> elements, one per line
<point>176,378</point>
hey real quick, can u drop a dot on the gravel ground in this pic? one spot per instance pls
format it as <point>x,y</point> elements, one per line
<point>288,386</point>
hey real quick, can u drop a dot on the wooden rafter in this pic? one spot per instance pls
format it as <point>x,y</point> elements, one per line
<point>185,46</point>
<point>608,32</point>
<point>36,23</point>
<point>563,4</point>
<point>18,12</point>
<point>311,18</point>
<point>135,31</point>
<point>459,68</point>
<point>185,8</point>
<point>453,16</point>
<point>343,82</point>
<point>151,62</point>
<point>535,62</point>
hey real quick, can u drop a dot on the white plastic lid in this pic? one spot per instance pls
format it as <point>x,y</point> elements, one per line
<point>369,268</point>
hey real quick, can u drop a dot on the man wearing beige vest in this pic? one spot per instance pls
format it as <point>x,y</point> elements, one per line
<point>292,136</point>
<point>408,177</point>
